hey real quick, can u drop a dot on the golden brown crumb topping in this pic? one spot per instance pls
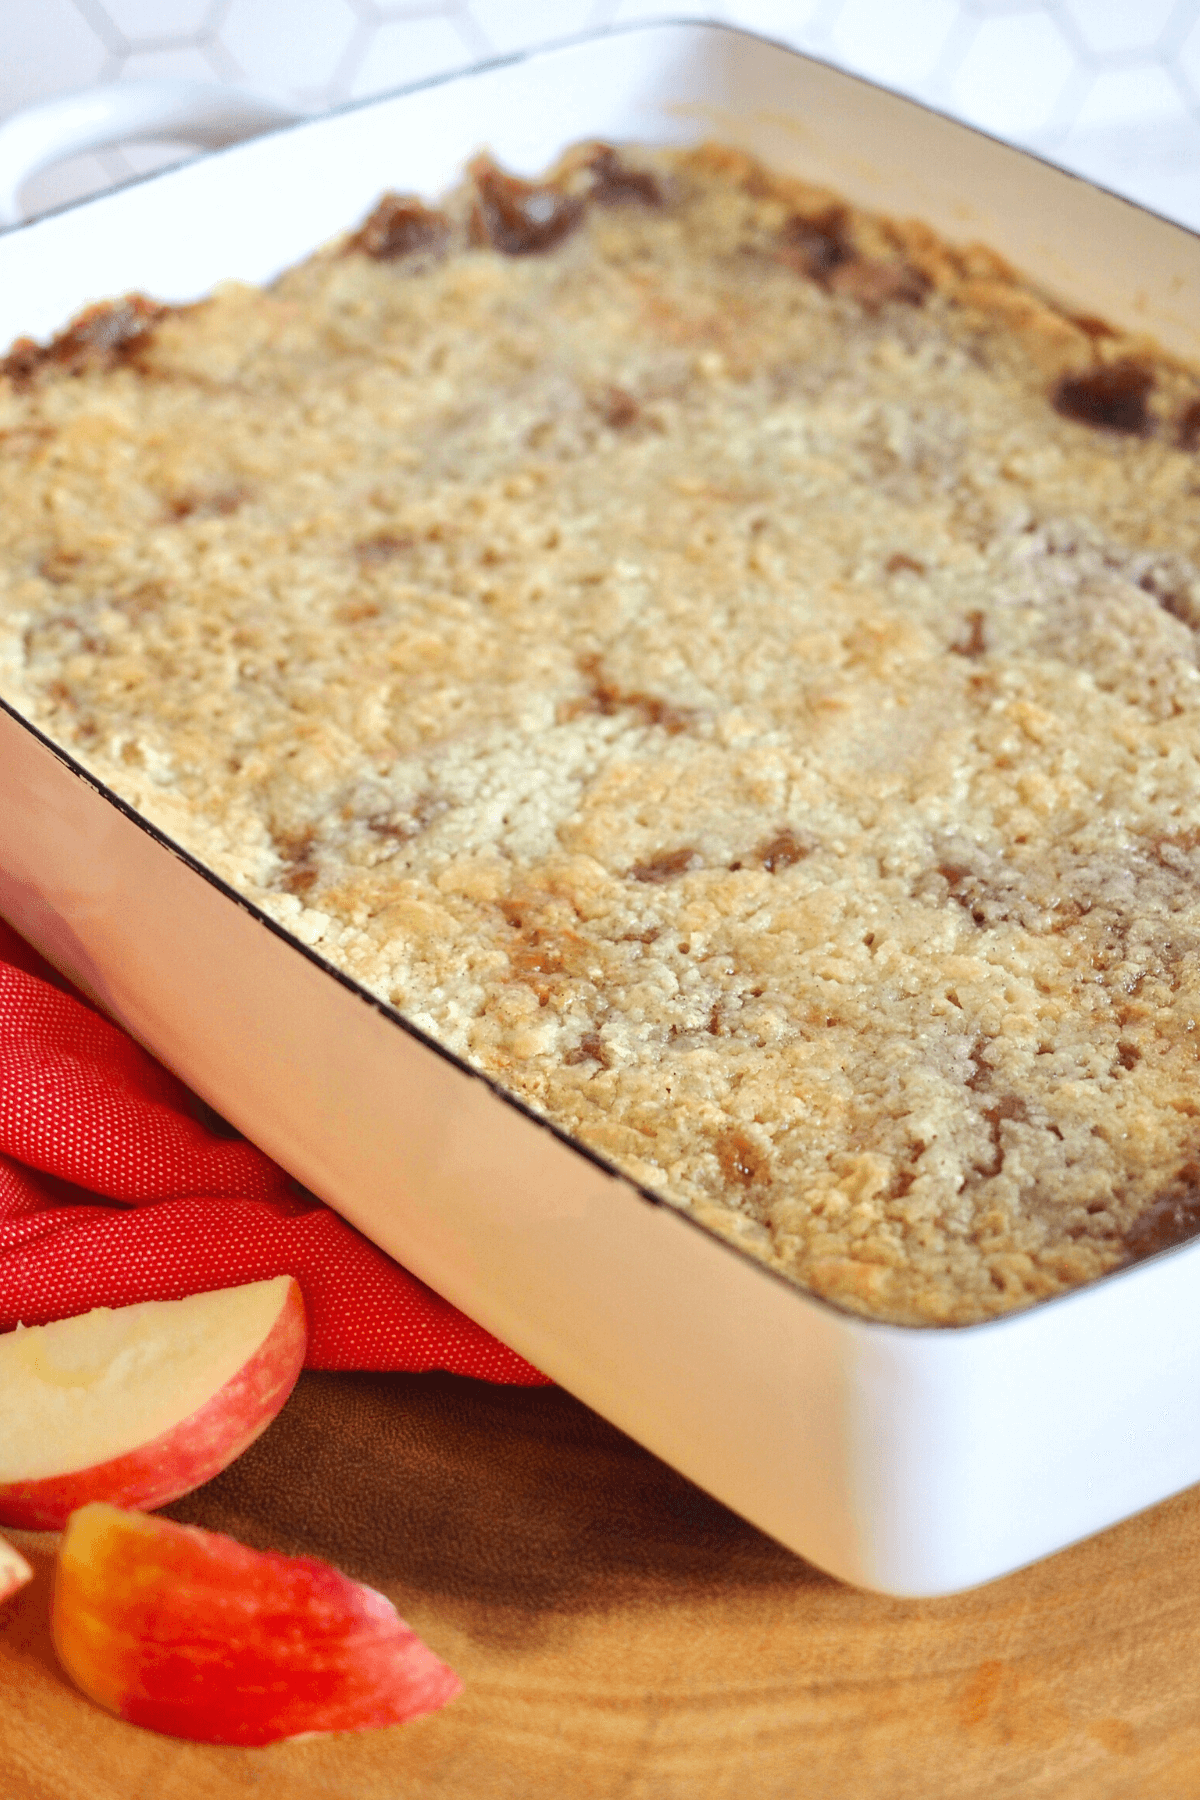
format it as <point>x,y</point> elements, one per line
<point>724,664</point>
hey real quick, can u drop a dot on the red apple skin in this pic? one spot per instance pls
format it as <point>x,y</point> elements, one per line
<point>14,1570</point>
<point>192,1634</point>
<point>188,1455</point>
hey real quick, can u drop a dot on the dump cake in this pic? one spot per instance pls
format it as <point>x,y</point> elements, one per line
<point>722,663</point>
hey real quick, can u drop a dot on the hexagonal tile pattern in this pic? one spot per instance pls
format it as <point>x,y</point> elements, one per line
<point>1013,75</point>
<point>48,49</point>
<point>625,11</point>
<point>1155,164</point>
<point>1111,87</point>
<point>190,62</point>
<point>293,45</point>
<point>1187,59</point>
<point>894,44</point>
<point>792,24</point>
<point>152,21</point>
<point>508,27</point>
<point>1124,96</point>
<point>1112,27</point>
<point>407,50</point>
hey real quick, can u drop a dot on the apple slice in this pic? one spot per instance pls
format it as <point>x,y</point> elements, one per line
<point>142,1403</point>
<point>14,1570</point>
<point>192,1634</point>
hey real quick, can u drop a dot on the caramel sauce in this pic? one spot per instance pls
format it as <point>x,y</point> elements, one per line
<point>615,183</point>
<point>973,641</point>
<point>822,248</point>
<point>384,548</point>
<point>873,284</point>
<point>106,336</point>
<point>606,698</point>
<point>665,866</point>
<point>619,409</point>
<point>521,218</point>
<point>1111,397</point>
<point>220,504</point>
<point>401,226</point>
<point>781,851</point>
<point>964,887</point>
<point>739,1160</point>
<point>297,852</point>
<point>817,246</point>
<point>539,956</point>
<point>1172,1219</point>
<point>1091,326</point>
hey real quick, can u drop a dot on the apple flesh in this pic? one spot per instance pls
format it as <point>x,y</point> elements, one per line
<point>194,1635</point>
<point>14,1570</point>
<point>140,1404</point>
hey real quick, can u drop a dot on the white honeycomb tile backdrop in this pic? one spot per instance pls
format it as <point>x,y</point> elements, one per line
<point>1110,88</point>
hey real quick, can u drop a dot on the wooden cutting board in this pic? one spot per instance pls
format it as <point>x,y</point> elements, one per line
<point>623,1637</point>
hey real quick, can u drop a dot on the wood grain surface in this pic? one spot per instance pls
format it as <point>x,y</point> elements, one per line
<point>623,1637</point>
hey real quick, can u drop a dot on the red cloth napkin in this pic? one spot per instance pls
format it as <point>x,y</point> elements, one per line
<point>112,1190</point>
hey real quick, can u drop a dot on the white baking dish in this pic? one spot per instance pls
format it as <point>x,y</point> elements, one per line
<point>912,1461</point>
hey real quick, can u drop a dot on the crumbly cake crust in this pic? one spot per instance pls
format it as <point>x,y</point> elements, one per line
<point>723,664</point>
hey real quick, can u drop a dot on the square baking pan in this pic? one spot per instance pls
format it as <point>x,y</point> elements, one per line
<point>909,1460</point>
